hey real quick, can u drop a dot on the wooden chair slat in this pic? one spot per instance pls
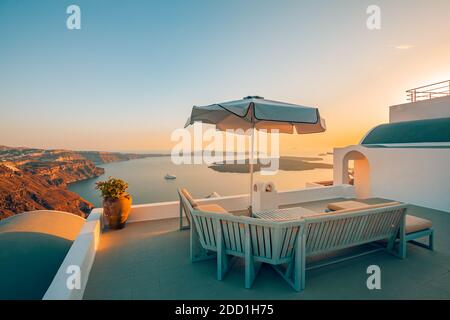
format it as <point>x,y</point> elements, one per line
<point>254,240</point>
<point>267,242</point>
<point>237,237</point>
<point>211,231</point>
<point>291,244</point>
<point>286,240</point>
<point>205,230</point>
<point>226,234</point>
<point>242,233</point>
<point>231,235</point>
<point>260,235</point>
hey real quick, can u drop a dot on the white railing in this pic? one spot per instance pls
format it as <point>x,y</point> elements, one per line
<point>430,91</point>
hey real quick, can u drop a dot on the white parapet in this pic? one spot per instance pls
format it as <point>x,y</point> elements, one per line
<point>420,110</point>
<point>165,210</point>
<point>71,279</point>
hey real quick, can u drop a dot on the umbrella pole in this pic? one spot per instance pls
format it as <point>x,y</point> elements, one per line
<point>251,168</point>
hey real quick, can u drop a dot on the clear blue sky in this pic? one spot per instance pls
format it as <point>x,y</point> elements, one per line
<point>136,67</point>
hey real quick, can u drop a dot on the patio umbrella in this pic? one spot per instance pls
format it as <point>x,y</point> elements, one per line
<point>257,113</point>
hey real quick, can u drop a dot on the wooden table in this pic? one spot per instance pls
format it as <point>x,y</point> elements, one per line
<point>286,214</point>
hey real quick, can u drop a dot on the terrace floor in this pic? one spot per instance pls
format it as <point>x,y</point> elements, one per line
<point>150,260</point>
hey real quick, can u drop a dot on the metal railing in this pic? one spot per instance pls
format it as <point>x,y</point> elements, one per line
<point>435,90</point>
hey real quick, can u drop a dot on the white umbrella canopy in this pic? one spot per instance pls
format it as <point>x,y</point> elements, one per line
<point>254,112</point>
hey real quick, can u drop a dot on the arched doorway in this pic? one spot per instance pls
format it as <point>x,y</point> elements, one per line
<point>360,177</point>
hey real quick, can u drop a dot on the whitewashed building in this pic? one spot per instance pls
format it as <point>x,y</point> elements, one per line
<point>407,159</point>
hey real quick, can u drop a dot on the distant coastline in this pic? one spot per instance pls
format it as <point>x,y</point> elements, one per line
<point>286,163</point>
<point>37,179</point>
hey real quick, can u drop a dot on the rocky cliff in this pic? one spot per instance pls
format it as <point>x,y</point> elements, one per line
<point>32,179</point>
<point>22,191</point>
<point>99,157</point>
<point>62,172</point>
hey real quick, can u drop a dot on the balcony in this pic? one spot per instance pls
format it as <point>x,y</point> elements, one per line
<point>430,91</point>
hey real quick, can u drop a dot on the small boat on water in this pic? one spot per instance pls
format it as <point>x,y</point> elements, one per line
<point>170,177</point>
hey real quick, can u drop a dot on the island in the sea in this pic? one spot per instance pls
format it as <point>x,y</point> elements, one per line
<point>286,163</point>
<point>37,179</point>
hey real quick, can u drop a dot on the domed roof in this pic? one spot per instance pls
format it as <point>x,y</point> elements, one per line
<point>417,131</point>
<point>32,248</point>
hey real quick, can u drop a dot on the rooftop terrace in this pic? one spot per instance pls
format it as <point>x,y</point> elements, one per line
<point>150,260</point>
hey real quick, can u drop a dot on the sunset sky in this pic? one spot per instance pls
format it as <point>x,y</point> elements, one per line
<point>130,76</point>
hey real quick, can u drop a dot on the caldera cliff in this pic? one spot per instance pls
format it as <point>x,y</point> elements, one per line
<point>22,191</point>
<point>37,179</point>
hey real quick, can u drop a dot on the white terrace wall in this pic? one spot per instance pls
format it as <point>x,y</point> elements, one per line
<point>418,176</point>
<point>164,210</point>
<point>81,255</point>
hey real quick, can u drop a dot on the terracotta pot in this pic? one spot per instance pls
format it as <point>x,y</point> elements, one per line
<point>117,210</point>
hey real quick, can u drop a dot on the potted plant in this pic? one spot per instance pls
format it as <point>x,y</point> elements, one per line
<point>116,201</point>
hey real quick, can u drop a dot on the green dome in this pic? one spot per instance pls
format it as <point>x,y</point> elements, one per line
<point>417,131</point>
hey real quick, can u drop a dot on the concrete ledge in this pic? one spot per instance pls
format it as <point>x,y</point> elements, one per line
<point>165,210</point>
<point>78,261</point>
<point>424,109</point>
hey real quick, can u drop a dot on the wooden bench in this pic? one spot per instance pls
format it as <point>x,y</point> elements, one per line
<point>285,245</point>
<point>415,227</point>
<point>333,231</point>
<point>219,235</point>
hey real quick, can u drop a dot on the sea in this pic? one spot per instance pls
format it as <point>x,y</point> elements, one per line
<point>147,184</point>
